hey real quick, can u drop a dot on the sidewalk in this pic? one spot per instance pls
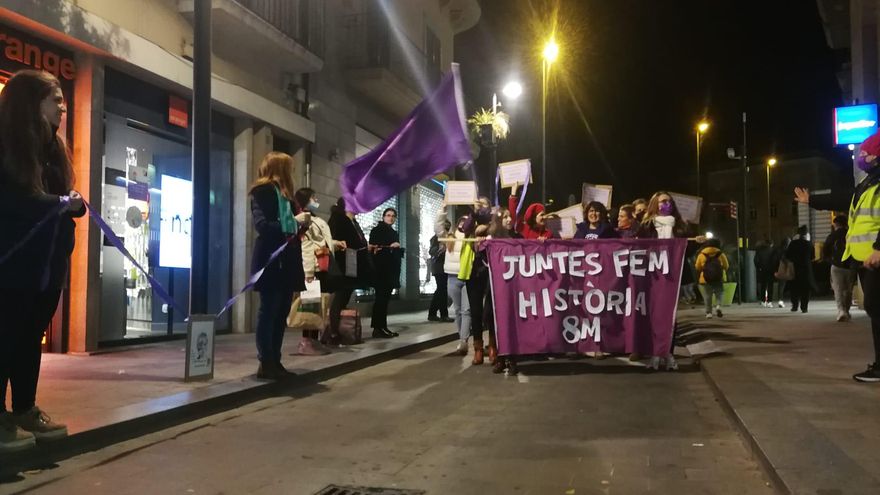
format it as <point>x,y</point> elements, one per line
<point>786,381</point>
<point>109,397</point>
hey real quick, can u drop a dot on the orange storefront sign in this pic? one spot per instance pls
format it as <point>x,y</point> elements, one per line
<point>32,55</point>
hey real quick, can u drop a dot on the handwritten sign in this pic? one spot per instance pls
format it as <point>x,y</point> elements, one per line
<point>690,207</point>
<point>596,192</point>
<point>515,173</point>
<point>576,212</point>
<point>562,227</point>
<point>461,192</point>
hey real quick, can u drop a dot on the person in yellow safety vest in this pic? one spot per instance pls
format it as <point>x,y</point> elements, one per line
<point>862,239</point>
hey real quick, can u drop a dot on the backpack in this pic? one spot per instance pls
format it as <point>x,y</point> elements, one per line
<point>713,272</point>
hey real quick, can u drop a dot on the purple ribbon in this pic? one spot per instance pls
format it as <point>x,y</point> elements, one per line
<point>117,243</point>
<point>259,273</point>
<point>522,197</point>
<point>55,211</point>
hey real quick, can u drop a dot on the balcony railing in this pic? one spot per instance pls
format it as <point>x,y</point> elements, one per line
<point>300,20</point>
<point>369,41</point>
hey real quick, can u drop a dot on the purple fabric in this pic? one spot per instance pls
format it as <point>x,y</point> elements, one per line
<point>864,165</point>
<point>431,140</point>
<point>644,328</point>
<point>666,208</point>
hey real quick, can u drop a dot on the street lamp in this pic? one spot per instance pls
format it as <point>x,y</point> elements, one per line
<point>702,127</point>
<point>550,54</point>
<point>512,90</point>
<point>770,163</point>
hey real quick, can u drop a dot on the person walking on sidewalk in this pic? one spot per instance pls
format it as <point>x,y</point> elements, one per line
<point>712,265</point>
<point>277,220</point>
<point>387,256</point>
<point>36,183</point>
<point>862,238</point>
<point>843,276</point>
<point>764,272</point>
<point>455,288</point>
<point>439,310</point>
<point>800,253</point>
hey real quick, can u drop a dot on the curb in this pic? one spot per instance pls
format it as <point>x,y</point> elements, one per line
<point>754,447</point>
<point>215,401</point>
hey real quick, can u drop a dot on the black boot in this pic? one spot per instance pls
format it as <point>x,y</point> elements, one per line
<point>381,333</point>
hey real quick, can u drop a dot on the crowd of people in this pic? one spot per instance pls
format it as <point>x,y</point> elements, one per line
<point>36,183</point>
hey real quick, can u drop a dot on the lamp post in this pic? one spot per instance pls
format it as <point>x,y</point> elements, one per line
<point>702,127</point>
<point>550,54</point>
<point>770,163</point>
<point>511,90</point>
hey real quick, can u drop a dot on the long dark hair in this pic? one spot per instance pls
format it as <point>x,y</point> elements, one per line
<point>27,139</point>
<point>600,208</point>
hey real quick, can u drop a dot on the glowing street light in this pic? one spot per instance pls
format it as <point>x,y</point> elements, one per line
<point>550,54</point>
<point>702,127</point>
<point>770,163</point>
<point>512,90</point>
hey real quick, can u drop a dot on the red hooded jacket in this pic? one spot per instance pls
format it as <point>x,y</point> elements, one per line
<point>521,225</point>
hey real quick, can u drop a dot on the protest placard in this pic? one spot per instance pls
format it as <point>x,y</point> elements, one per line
<point>461,192</point>
<point>596,192</point>
<point>515,173</point>
<point>690,207</point>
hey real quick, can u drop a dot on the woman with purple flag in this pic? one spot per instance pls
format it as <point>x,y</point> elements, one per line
<point>387,255</point>
<point>37,207</point>
<point>278,222</point>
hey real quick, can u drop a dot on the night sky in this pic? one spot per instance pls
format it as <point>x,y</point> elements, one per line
<point>643,72</point>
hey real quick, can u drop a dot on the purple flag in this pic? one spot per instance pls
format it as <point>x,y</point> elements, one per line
<point>585,295</point>
<point>432,139</point>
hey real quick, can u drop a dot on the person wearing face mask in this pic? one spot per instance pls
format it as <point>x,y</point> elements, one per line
<point>318,247</point>
<point>455,288</point>
<point>531,225</point>
<point>862,237</point>
<point>662,221</point>
<point>596,224</point>
<point>639,207</point>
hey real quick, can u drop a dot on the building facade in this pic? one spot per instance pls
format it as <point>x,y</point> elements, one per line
<point>284,79</point>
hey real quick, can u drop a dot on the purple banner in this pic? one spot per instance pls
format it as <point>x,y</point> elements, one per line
<point>557,296</point>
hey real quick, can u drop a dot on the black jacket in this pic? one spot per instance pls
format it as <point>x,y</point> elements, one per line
<point>835,245</point>
<point>43,262</point>
<point>437,256</point>
<point>800,253</point>
<point>285,273</point>
<point>347,229</point>
<point>386,260</point>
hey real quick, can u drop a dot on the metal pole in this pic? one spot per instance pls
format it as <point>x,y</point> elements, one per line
<point>739,262</point>
<point>769,228</point>
<point>544,132</point>
<point>698,162</point>
<point>201,156</point>
<point>745,208</point>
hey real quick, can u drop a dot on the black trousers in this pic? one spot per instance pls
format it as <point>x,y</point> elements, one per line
<point>476,292</point>
<point>380,307</point>
<point>440,301</point>
<point>800,294</point>
<point>765,286</point>
<point>870,280</point>
<point>26,314</point>
<point>339,301</point>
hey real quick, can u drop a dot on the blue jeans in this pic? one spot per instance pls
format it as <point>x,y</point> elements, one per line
<point>271,323</point>
<point>461,307</point>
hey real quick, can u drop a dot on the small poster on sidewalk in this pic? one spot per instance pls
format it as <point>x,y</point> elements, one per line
<point>200,348</point>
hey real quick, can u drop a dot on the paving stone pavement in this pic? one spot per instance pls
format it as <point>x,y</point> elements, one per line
<point>430,421</point>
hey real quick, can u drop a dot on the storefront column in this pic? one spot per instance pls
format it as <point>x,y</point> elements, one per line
<point>243,174</point>
<point>85,309</point>
<point>409,238</point>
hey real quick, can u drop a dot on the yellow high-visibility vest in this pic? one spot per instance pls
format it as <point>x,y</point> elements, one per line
<point>864,223</point>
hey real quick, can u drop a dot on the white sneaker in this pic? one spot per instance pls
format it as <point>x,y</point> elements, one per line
<point>841,316</point>
<point>671,363</point>
<point>781,304</point>
<point>655,363</point>
<point>709,316</point>
<point>13,438</point>
<point>462,348</point>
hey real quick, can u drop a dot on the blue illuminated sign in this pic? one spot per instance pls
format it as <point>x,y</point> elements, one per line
<point>854,124</point>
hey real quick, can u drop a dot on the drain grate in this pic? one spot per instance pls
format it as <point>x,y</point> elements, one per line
<point>366,490</point>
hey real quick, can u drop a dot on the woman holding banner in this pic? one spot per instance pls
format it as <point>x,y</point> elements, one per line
<point>499,228</point>
<point>475,272</point>
<point>387,256</point>
<point>627,227</point>
<point>595,224</point>
<point>37,207</point>
<point>662,221</point>
<point>278,222</point>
